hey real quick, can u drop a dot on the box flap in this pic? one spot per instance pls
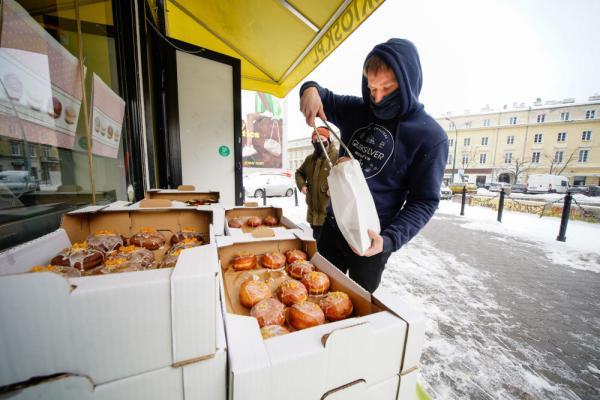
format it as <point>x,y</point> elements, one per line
<point>251,204</point>
<point>350,391</point>
<point>263,232</point>
<point>36,252</point>
<point>186,187</point>
<point>154,203</point>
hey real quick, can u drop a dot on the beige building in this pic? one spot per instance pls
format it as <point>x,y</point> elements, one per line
<point>298,150</point>
<point>561,138</point>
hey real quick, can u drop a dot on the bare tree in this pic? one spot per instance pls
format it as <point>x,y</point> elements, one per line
<point>519,166</point>
<point>557,167</point>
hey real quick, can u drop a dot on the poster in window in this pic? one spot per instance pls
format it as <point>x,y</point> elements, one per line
<point>106,119</point>
<point>262,131</point>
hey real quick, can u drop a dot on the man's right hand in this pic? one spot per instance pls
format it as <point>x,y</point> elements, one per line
<point>304,189</point>
<point>311,105</point>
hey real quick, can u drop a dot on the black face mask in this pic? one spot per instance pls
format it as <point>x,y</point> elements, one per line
<point>388,107</point>
<point>318,148</point>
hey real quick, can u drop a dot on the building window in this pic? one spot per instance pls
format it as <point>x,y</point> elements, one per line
<point>590,114</point>
<point>451,125</point>
<point>482,158</point>
<point>467,142</point>
<point>586,136</point>
<point>510,140</point>
<point>564,116</point>
<point>468,124</point>
<point>541,118</point>
<point>15,149</point>
<point>46,151</point>
<point>537,138</point>
<point>465,159</point>
<point>558,157</point>
<point>535,157</point>
<point>561,137</point>
<point>512,120</point>
<point>32,150</point>
<point>484,141</point>
<point>450,142</point>
<point>507,158</point>
<point>583,155</point>
<point>486,123</point>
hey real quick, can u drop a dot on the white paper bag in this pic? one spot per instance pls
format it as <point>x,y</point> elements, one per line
<point>353,205</point>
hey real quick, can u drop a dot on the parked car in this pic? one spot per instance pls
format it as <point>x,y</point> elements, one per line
<point>498,186</point>
<point>19,182</point>
<point>274,184</point>
<point>457,187</point>
<point>579,189</point>
<point>518,188</point>
<point>547,183</point>
<point>593,191</point>
<point>445,192</point>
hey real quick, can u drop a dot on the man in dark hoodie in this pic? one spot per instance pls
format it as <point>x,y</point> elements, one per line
<point>401,149</point>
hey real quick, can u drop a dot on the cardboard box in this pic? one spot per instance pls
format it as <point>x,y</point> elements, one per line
<point>283,230</point>
<point>187,193</point>
<point>202,380</point>
<point>373,347</point>
<point>111,326</point>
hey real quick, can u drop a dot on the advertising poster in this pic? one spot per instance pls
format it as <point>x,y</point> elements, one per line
<point>40,79</point>
<point>108,110</point>
<point>262,130</point>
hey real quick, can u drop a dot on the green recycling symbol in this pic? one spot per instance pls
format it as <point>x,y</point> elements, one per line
<point>224,151</point>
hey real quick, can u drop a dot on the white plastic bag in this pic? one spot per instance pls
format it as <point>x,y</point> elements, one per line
<point>353,204</point>
<point>351,199</point>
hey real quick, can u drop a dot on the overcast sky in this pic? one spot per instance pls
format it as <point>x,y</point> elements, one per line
<point>476,52</point>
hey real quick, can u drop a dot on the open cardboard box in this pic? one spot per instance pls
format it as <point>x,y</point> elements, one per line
<point>383,340</point>
<point>202,380</point>
<point>110,326</point>
<point>186,193</point>
<point>243,213</point>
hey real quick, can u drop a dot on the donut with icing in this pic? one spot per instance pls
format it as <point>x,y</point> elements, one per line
<point>270,220</point>
<point>186,233</point>
<point>149,238</point>
<point>67,272</point>
<point>234,223</point>
<point>298,269</point>
<point>138,257</point>
<point>269,312</point>
<point>254,222</point>
<point>251,292</point>
<point>273,260</point>
<point>305,314</point>
<point>244,261</point>
<point>295,255</point>
<point>291,291</point>
<point>336,306</point>
<point>316,282</point>
<point>270,331</point>
<point>79,256</point>
<point>105,241</point>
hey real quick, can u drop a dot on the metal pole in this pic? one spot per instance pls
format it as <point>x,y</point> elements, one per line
<point>501,205</point>
<point>296,196</point>
<point>455,146</point>
<point>565,218</point>
<point>464,198</point>
<point>264,196</point>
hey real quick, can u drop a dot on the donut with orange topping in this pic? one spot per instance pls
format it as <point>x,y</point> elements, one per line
<point>316,282</point>
<point>295,255</point>
<point>336,306</point>
<point>105,241</point>
<point>291,291</point>
<point>79,256</point>
<point>251,292</point>
<point>269,312</point>
<point>148,238</point>
<point>270,220</point>
<point>273,260</point>
<point>270,331</point>
<point>298,269</point>
<point>244,261</point>
<point>67,272</point>
<point>186,233</point>
<point>305,314</point>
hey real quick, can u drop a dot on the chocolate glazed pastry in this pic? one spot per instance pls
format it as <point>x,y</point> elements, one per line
<point>186,233</point>
<point>79,256</point>
<point>105,241</point>
<point>148,238</point>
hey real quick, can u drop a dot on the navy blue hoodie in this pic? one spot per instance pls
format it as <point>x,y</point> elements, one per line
<point>403,158</point>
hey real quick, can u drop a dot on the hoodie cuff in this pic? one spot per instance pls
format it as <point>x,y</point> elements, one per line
<point>388,245</point>
<point>307,85</point>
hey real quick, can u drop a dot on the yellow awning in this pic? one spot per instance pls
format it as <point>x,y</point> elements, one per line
<point>279,42</point>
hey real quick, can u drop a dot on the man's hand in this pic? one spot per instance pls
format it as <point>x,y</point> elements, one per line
<point>311,105</point>
<point>376,245</point>
<point>304,189</point>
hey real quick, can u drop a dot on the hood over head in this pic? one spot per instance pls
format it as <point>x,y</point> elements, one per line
<point>402,57</point>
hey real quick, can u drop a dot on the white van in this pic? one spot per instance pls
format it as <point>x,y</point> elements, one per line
<point>546,183</point>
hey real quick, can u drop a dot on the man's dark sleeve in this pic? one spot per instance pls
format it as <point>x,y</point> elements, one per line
<point>425,177</point>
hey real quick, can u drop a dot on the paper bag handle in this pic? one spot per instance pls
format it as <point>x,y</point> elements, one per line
<point>337,137</point>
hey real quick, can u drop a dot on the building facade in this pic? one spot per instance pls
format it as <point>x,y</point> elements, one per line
<point>298,150</point>
<point>561,138</point>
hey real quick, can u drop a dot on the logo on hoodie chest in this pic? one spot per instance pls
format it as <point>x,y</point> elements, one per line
<point>372,146</point>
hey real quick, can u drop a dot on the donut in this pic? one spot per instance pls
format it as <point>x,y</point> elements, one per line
<point>67,272</point>
<point>79,256</point>
<point>273,260</point>
<point>105,241</point>
<point>305,314</point>
<point>186,233</point>
<point>109,132</point>
<point>254,222</point>
<point>336,306</point>
<point>244,261</point>
<point>170,259</point>
<point>54,107</point>
<point>70,115</point>
<point>234,223</point>
<point>138,257</point>
<point>119,264</point>
<point>300,268</point>
<point>269,312</point>
<point>270,220</point>
<point>295,255</point>
<point>291,291</point>
<point>270,331</point>
<point>148,238</point>
<point>97,124</point>
<point>251,292</point>
<point>316,282</point>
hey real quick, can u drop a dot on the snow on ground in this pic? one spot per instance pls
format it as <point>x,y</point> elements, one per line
<point>580,251</point>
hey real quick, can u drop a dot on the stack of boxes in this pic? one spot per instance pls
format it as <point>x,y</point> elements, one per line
<point>160,333</point>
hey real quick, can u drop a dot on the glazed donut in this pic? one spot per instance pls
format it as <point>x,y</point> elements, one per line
<point>105,241</point>
<point>273,260</point>
<point>118,264</point>
<point>300,268</point>
<point>316,282</point>
<point>170,259</point>
<point>185,244</point>
<point>234,223</point>
<point>138,257</point>
<point>186,233</point>
<point>251,292</point>
<point>291,291</point>
<point>269,312</point>
<point>305,315</point>
<point>270,220</point>
<point>67,272</point>
<point>295,255</point>
<point>254,222</point>
<point>78,256</point>
<point>336,306</point>
<point>270,331</point>
<point>148,238</point>
<point>244,261</point>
